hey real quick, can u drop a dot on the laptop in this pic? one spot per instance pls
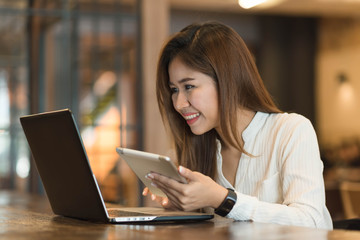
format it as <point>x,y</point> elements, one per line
<point>68,180</point>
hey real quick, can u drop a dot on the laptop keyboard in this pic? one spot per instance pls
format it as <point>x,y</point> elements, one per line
<point>122,213</point>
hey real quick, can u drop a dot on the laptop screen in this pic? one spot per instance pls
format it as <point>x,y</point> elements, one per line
<point>63,166</point>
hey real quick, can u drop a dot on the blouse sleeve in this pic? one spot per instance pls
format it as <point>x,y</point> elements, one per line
<point>301,181</point>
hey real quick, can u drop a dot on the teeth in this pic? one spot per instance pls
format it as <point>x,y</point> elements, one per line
<point>189,117</point>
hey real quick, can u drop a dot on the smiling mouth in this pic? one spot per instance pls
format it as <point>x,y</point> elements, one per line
<point>192,116</point>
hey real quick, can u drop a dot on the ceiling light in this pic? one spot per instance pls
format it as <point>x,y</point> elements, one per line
<point>250,3</point>
<point>260,3</point>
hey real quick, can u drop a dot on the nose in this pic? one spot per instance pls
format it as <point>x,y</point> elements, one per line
<point>180,101</point>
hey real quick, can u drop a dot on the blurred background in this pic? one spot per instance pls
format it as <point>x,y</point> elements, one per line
<point>98,58</point>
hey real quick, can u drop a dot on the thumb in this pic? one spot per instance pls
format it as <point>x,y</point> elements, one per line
<point>187,173</point>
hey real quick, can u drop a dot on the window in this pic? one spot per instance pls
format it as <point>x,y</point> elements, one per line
<point>81,55</point>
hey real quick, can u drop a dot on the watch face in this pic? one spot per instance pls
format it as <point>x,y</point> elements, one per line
<point>227,204</point>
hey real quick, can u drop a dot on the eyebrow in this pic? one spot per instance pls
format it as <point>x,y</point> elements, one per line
<point>183,81</point>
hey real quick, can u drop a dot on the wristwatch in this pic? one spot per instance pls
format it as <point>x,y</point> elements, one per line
<point>228,203</point>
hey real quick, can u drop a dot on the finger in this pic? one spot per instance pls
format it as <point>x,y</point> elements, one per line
<point>153,197</point>
<point>157,199</point>
<point>158,179</point>
<point>172,188</point>
<point>168,191</point>
<point>145,191</point>
<point>168,204</point>
<point>162,187</point>
<point>187,173</point>
<point>168,188</point>
<point>173,198</point>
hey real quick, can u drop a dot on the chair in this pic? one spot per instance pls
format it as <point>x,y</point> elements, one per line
<point>350,195</point>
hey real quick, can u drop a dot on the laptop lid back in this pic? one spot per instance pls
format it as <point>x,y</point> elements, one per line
<point>63,166</point>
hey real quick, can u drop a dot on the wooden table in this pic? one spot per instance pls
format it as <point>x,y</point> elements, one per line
<point>25,216</point>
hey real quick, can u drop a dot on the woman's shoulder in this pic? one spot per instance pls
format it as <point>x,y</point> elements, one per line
<point>289,128</point>
<point>288,118</point>
<point>268,125</point>
<point>289,121</point>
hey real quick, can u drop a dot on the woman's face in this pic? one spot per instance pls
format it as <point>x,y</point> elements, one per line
<point>194,96</point>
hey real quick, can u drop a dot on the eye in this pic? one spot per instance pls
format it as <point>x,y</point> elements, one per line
<point>188,87</point>
<point>174,89</point>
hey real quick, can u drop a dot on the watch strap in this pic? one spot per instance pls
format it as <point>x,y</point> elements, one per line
<point>228,203</point>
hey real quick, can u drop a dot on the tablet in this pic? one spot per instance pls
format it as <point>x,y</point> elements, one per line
<point>143,163</point>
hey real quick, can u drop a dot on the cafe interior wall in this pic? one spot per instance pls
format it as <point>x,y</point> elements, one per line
<point>338,81</point>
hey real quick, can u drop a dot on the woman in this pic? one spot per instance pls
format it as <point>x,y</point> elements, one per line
<point>240,154</point>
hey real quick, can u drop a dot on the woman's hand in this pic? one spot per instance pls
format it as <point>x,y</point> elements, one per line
<point>201,191</point>
<point>160,200</point>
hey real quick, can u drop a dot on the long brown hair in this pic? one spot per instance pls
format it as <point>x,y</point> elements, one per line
<point>218,51</point>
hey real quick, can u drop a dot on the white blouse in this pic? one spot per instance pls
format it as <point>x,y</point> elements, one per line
<point>283,182</point>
